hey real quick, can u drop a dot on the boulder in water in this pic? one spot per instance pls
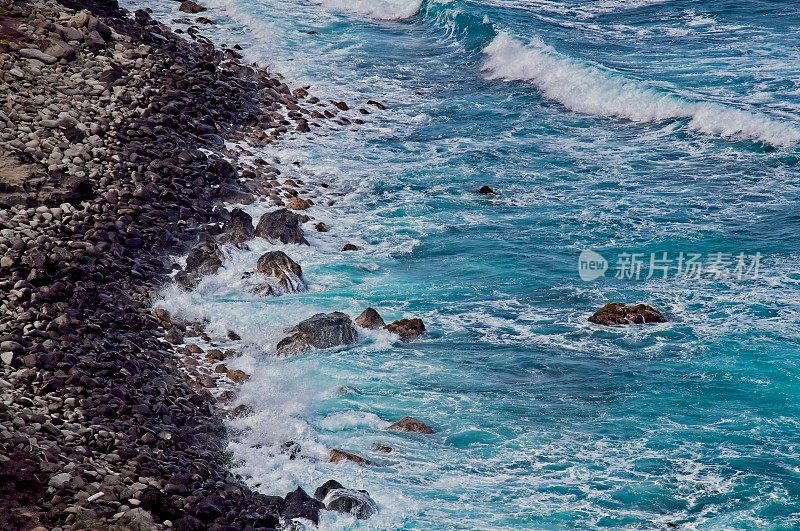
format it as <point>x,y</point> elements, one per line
<point>337,456</point>
<point>349,501</point>
<point>191,7</point>
<point>617,314</point>
<point>287,274</point>
<point>485,190</point>
<point>203,259</point>
<point>370,319</point>
<point>298,203</point>
<point>323,330</point>
<point>407,329</point>
<point>349,247</point>
<point>411,424</point>
<point>281,226</point>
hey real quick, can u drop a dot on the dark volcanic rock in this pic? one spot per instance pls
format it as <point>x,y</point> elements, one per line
<point>287,274</point>
<point>323,330</point>
<point>281,226</point>
<point>486,190</point>
<point>298,504</point>
<point>325,488</point>
<point>407,329</point>
<point>411,424</point>
<point>370,319</point>
<point>204,259</point>
<point>349,247</point>
<point>617,313</point>
<point>238,229</point>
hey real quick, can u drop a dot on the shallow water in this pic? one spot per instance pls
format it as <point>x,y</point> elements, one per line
<point>640,127</point>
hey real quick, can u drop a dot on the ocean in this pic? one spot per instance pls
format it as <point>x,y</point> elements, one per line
<point>654,133</point>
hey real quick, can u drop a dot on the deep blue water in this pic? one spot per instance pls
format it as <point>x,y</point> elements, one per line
<point>619,126</point>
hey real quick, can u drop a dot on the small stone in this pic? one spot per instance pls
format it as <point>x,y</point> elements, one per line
<point>7,357</point>
<point>33,53</point>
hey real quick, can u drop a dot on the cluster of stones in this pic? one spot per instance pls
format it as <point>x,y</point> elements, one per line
<point>111,156</point>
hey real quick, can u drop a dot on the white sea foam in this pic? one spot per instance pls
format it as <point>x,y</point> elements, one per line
<point>377,9</point>
<point>591,90</point>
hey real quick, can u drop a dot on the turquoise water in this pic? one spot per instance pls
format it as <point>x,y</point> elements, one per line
<point>642,127</point>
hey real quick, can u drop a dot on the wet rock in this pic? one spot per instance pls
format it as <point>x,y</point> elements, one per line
<point>617,314</point>
<point>321,227</point>
<point>237,376</point>
<point>191,7</point>
<point>407,329</point>
<point>370,319</point>
<point>204,259</point>
<point>233,336</point>
<point>411,424</point>
<point>485,190</point>
<point>323,330</point>
<point>349,501</point>
<point>238,229</point>
<point>323,490</point>
<point>337,456</point>
<point>281,226</point>
<point>349,247</point>
<point>298,504</point>
<point>287,274</point>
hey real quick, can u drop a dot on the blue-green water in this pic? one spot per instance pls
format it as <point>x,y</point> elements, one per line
<point>643,127</point>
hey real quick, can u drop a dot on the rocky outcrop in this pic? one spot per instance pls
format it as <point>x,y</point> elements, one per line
<point>370,319</point>
<point>411,424</point>
<point>407,329</point>
<point>204,259</point>
<point>618,314</point>
<point>238,229</point>
<point>191,7</point>
<point>323,330</point>
<point>281,226</point>
<point>285,274</point>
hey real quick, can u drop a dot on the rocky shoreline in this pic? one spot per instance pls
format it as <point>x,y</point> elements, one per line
<point>113,156</point>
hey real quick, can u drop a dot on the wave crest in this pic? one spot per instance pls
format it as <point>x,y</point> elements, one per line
<point>590,90</point>
<point>377,9</point>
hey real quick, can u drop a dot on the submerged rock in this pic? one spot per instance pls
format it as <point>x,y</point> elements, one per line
<point>238,229</point>
<point>281,226</point>
<point>323,330</point>
<point>370,319</point>
<point>287,274</point>
<point>204,259</point>
<point>411,424</point>
<point>337,456</point>
<point>407,329</point>
<point>617,313</point>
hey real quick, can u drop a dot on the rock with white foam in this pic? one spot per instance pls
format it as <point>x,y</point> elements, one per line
<point>321,331</point>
